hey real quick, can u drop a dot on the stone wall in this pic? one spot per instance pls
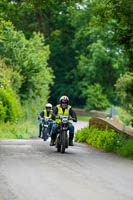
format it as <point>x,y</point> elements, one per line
<point>119,127</point>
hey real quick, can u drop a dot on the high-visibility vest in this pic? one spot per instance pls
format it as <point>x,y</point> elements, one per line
<point>60,112</point>
<point>45,114</point>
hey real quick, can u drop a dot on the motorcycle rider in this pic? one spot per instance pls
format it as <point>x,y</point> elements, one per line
<point>46,113</point>
<point>63,109</point>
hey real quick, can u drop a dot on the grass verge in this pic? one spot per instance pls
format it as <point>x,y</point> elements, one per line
<point>23,130</point>
<point>83,118</point>
<point>107,140</point>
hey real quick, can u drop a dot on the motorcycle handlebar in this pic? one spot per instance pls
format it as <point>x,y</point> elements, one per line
<point>68,118</point>
<point>43,118</point>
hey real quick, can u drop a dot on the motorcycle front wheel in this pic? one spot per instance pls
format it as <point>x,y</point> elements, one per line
<point>63,141</point>
<point>58,144</point>
<point>45,136</point>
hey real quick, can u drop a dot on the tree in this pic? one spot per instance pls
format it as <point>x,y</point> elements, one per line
<point>28,59</point>
<point>52,18</point>
<point>100,59</point>
<point>85,42</point>
<point>124,91</point>
<point>10,108</point>
<point>95,98</point>
<point>122,12</point>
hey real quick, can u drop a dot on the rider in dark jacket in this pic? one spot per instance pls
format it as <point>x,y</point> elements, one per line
<point>63,109</point>
<point>46,113</point>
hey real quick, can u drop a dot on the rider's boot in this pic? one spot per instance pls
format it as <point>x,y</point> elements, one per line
<point>71,143</point>
<point>71,139</point>
<point>40,131</point>
<point>53,138</point>
<point>39,135</point>
<point>52,142</point>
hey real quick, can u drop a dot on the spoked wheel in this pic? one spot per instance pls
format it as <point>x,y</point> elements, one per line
<point>63,141</point>
<point>58,145</point>
<point>45,137</point>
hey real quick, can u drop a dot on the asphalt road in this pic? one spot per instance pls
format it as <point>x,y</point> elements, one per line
<point>32,170</point>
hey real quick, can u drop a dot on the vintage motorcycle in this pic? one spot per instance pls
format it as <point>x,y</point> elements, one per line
<point>62,139</point>
<point>45,128</point>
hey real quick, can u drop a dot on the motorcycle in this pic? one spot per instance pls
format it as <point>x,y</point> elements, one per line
<point>45,128</point>
<point>62,139</point>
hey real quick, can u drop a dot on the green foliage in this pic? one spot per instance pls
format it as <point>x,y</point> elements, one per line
<point>106,140</point>
<point>3,112</point>
<point>23,130</point>
<point>10,109</point>
<point>83,118</point>
<point>28,59</point>
<point>100,58</point>
<point>124,91</point>
<point>99,62</point>
<point>89,42</point>
<point>96,100</point>
<point>126,149</point>
<point>124,116</point>
<point>82,134</point>
<point>121,11</point>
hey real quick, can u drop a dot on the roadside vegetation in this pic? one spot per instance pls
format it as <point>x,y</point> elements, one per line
<point>123,115</point>
<point>23,130</point>
<point>70,47</point>
<point>107,140</point>
<point>83,118</point>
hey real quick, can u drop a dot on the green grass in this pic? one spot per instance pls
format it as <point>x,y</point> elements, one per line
<point>83,118</point>
<point>23,130</point>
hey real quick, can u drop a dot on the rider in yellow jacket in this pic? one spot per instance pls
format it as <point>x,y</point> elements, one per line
<point>45,113</point>
<point>63,109</point>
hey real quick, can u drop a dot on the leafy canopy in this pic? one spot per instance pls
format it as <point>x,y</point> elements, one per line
<point>28,60</point>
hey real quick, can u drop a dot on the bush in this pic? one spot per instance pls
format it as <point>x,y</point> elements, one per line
<point>10,109</point>
<point>107,140</point>
<point>124,116</point>
<point>124,90</point>
<point>81,137</point>
<point>31,75</point>
<point>126,149</point>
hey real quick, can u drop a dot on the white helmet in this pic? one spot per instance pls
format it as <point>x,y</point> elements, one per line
<point>49,105</point>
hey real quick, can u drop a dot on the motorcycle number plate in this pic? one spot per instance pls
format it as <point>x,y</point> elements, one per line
<point>46,126</point>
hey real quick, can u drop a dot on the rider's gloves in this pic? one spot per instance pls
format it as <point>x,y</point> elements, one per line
<point>39,117</point>
<point>74,120</point>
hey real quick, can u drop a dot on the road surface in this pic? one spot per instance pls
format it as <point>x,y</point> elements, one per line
<point>32,170</point>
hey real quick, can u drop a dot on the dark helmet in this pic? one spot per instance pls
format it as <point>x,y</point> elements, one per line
<point>64,99</point>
